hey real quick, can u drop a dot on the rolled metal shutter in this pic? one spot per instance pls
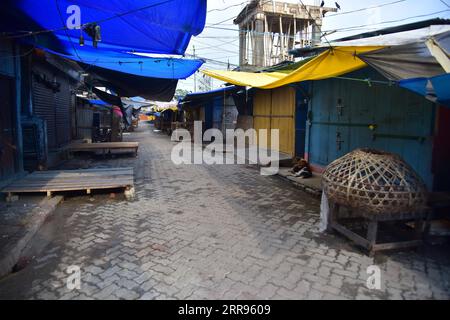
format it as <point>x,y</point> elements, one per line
<point>63,102</point>
<point>44,105</point>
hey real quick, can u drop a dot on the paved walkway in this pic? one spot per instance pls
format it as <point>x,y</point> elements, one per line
<point>209,232</point>
<point>19,223</point>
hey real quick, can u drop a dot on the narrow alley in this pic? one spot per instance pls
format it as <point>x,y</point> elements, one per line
<point>208,232</point>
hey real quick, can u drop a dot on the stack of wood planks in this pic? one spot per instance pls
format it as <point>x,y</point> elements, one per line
<point>73,180</point>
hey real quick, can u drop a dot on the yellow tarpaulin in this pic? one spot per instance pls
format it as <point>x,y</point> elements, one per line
<point>331,63</point>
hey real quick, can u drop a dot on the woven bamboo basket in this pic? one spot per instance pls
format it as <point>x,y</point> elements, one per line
<point>376,182</point>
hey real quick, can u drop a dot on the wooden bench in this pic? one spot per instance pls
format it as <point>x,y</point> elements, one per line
<point>105,147</point>
<point>73,180</point>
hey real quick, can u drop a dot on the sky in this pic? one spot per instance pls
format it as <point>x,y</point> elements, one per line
<point>223,45</point>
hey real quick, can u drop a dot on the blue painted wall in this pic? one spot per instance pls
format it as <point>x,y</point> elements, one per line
<point>209,115</point>
<point>404,121</point>
<point>214,113</point>
<point>301,117</point>
<point>217,112</point>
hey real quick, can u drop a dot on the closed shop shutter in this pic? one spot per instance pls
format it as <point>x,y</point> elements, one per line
<point>53,107</point>
<point>44,106</point>
<point>63,102</point>
<point>275,109</point>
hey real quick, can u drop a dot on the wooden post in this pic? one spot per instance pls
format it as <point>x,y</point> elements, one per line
<point>334,215</point>
<point>419,228</point>
<point>427,227</point>
<point>372,232</point>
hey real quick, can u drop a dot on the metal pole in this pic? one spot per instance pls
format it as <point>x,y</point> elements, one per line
<point>195,75</point>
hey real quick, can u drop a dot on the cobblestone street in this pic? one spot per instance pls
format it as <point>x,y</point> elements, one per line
<point>209,232</point>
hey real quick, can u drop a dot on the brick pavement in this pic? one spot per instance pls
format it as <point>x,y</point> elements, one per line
<point>211,232</point>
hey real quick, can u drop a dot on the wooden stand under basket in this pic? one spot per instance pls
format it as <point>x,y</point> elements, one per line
<point>370,240</point>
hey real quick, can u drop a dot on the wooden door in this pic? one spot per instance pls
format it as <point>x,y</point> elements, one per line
<point>282,118</point>
<point>275,109</point>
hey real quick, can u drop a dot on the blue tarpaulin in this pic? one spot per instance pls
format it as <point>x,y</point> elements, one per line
<point>435,88</point>
<point>212,93</point>
<point>150,26</point>
<point>194,100</point>
<point>99,103</point>
<point>164,68</point>
<point>153,26</point>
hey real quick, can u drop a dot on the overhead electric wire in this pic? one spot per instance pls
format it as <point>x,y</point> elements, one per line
<point>221,22</point>
<point>229,7</point>
<point>387,22</point>
<point>234,17</point>
<point>346,29</point>
<point>211,60</point>
<point>18,55</point>
<point>236,54</point>
<point>352,28</point>
<point>366,26</point>
<point>215,46</point>
<point>364,9</point>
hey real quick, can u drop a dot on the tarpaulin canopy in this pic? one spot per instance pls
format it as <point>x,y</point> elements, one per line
<point>379,38</point>
<point>99,103</point>
<point>196,99</point>
<point>422,66</point>
<point>211,94</point>
<point>112,100</point>
<point>436,89</point>
<point>132,75</point>
<point>331,63</point>
<point>129,85</point>
<point>396,39</point>
<point>421,59</point>
<point>164,68</point>
<point>154,26</point>
<point>138,102</point>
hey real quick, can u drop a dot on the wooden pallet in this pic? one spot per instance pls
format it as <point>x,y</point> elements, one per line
<point>104,147</point>
<point>73,180</point>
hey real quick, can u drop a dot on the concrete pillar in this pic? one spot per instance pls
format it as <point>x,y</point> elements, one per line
<point>259,52</point>
<point>242,45</point>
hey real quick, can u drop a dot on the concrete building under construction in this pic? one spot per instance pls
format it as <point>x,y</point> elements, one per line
<point>270,29</point>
